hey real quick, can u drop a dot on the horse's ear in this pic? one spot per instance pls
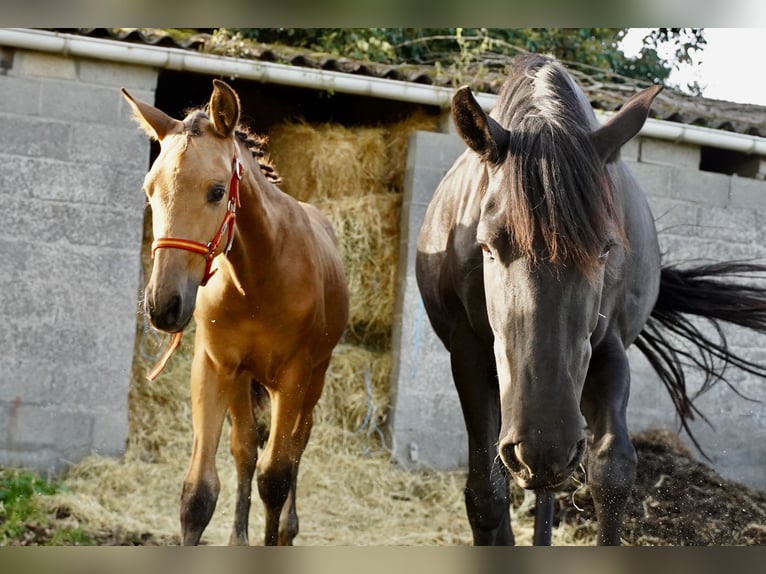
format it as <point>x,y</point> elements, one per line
<point>482,133</point>
<point>156,123</point>
<point>625,124</point>
<point>224,108</point>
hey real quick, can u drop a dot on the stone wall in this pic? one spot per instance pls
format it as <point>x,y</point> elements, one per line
<point>72,163</point>
<point>700,216</point>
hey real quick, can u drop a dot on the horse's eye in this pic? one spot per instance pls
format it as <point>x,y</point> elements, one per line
<point>216,194</point>
<point>605,252</point>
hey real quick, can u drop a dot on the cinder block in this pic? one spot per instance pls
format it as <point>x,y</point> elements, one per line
<point>435,150</point>
<point>78,223</point>
<point>76,383</point>
<point>103,226</point>
<point>110,432</point>
<point>102,145</point>
<point>81,103</point>
<point>56,180</point>
<point>711,189</point>
<point>45,461</point>
<point>124,188</point>
<point>46,65</point>
<point>46,426</point>
<point>4,421</point>
<point>728,224</point>
<point>116,74</point>
<point>653,179</point>
<point>19,95</point>
<point>748,193</point>
<point>34,137</point>
<point>674,217</point>
<point>631,151</point>
<point>25,381</point>
<point>669,153</point>
<point>60,343</point>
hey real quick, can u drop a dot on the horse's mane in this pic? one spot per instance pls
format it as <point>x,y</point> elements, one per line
<point>558,199</point>
<point>257,144</point>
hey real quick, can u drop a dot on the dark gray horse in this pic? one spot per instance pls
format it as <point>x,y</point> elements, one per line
<point>538,264</point>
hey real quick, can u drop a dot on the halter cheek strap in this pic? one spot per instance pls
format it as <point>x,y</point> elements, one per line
<point>208,250</point>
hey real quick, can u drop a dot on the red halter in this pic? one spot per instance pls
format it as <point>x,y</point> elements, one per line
<point>207,250</point>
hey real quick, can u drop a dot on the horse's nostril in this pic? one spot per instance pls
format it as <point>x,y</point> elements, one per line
<point>510,456</point>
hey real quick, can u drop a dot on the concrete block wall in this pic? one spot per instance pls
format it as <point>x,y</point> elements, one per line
<point>71,167</point>
<point>700,217</point>
<point>704,217</point>
<point>425,424</point>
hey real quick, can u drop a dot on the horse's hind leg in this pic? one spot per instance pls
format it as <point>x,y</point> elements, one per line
<point>209,400</point>
<point>291,421</point>
<point>245,440</point>
<point>486,492</point>
<point>612,458</point>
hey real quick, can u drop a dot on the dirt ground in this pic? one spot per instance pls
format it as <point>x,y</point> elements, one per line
<point>676,501</point>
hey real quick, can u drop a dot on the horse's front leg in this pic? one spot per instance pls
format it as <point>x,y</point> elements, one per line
<point>292,405</point>
<point>611,458</point>
<point>486,491</point>
<point>209,401</point>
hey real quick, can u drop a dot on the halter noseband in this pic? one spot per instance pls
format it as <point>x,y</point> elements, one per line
<point>209,250</point>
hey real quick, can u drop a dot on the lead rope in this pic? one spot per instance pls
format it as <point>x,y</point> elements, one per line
<point>163,360</point>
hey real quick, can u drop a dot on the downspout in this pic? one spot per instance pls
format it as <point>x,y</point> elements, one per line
<point>184,60</point>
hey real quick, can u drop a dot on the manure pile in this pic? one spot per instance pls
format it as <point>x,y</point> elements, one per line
<point>349,493</point>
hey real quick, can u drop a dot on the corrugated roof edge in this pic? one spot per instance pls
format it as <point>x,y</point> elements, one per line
<point>671,105</point>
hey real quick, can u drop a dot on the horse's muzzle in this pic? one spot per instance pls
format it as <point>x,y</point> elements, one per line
<point>168,314</point>
<point>535,466</point>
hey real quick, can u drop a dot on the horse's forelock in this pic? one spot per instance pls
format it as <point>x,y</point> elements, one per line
<point>196,121</point>
<point>558,199</point>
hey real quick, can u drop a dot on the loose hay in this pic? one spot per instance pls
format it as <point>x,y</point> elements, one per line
<point>355,397</point>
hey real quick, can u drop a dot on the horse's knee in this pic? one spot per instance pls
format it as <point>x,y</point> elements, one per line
<point>612,465</point>
<point>198,502</point>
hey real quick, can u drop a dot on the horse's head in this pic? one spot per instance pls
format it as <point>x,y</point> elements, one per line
<point>548,221</point>
<point>192,191</point>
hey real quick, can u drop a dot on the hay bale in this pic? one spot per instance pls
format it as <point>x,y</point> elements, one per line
<point>397,143</point>
<point>367,228</point>
<point>328,160</point>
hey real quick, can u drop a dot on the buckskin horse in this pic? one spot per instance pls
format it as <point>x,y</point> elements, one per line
<point>267,317</point>
<point>538,265</point>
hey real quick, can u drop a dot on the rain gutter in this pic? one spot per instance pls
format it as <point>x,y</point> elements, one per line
<point>184,60</point>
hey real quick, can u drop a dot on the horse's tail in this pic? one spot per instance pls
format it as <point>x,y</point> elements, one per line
<point>672,342</point>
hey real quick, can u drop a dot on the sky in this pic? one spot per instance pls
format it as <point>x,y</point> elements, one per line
<point>730,66</point>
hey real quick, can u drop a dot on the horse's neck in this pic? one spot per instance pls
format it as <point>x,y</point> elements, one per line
<point>257,227</point>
